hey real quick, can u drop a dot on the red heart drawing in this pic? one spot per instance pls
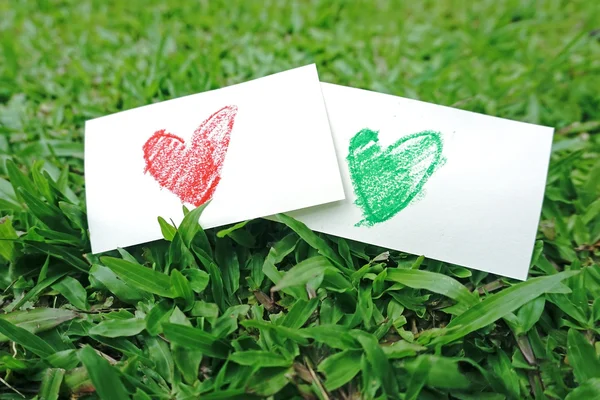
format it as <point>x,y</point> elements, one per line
<point>191,172</point>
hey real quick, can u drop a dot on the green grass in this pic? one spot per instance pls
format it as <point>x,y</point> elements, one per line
<point>272,309</point>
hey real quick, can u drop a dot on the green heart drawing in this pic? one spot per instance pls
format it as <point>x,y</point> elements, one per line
<point>386,181</point>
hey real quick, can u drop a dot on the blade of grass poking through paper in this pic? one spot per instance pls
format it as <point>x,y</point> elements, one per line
<point>105,378</point>
<point>190,229</point>
<point>312,239</point>
<point>25,339</point>
<point>495,306</point>
<point>140,277</point>
<point>434,282</point>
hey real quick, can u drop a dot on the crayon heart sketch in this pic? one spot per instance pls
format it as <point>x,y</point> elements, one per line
<point>386,181</point>
<point>192,171</point>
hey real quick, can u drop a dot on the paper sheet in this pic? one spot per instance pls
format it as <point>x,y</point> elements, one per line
<point>452,185</point>
<point>256,148</point>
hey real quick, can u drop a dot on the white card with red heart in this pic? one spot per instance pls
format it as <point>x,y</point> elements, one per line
<point>452,185</point>
<point>254,149</point>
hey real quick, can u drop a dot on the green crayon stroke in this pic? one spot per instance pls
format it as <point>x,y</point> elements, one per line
<point>386,181</point>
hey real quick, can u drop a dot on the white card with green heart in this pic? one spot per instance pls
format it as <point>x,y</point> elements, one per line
<point>452,185</point>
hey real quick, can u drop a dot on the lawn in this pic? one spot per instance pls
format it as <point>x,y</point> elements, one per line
<point>228,313</point>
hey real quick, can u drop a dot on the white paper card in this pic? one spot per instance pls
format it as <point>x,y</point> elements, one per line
<point>452,185</point>
<point>256,148</point>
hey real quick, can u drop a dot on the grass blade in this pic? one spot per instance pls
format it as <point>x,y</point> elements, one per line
<point>589,390</point>
<point>340,368</point>
<point>104,377</point>
<point>303,272</point>
<point>282,331</point>
<point>119,327</point>
<point>378,361</point>
<point>51,382</point>
<point>228,262</point>
<point>300,313</point>
<point>73,291</point>
<point>168,230</point>
<point>335,336</point>
<point>116,286</point>
<point>498,305</point>
<point>190,227</point>
<point>259,359</point>
<point>197,339</point>
<point>582,356</point>
<point>182,288</point>
<point>68,254</point>
<point>434,282</point>
<point>18,179</point>
<point>402,349</point>
<point>35,291</point>
<point>276,254</point>
<point>225,232</point>
<point>25,339</point>
<point>312,239</point>
<point>37,320</point>
<point>140,277</point>
<point>7,239</point>
<point>216,278</point>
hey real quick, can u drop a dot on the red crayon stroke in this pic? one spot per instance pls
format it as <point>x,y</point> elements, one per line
<point>191,172</point>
